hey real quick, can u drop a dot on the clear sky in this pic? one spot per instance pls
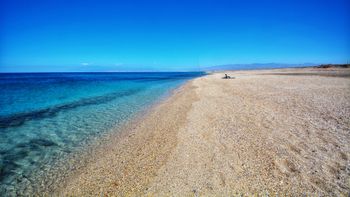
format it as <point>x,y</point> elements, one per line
<point>101,35</point>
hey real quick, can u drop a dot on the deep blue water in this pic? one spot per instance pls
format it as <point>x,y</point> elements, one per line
<point>46,116</point>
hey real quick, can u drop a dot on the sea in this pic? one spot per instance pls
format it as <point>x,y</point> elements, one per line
<point>46,117</point>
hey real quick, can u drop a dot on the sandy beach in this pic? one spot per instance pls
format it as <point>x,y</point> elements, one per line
<point>263,131</point>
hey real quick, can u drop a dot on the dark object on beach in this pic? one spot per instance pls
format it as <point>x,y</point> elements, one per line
<point>228,77</point>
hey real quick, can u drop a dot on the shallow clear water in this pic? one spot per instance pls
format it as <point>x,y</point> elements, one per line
<point>46,116</point>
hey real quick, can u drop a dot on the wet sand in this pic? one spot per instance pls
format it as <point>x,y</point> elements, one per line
<point>267,131</point>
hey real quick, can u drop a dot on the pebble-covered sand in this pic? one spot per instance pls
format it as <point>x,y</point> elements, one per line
<point>268,131</point>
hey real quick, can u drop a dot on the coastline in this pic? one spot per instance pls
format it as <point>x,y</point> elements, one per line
<point>262,131</point>
<point>127,142</point>
<point>53,170</point>
<point>51,178</point>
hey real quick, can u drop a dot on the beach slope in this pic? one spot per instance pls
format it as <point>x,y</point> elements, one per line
<point>285,131</point>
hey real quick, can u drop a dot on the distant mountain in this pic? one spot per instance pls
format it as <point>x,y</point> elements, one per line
<point>255,66</point>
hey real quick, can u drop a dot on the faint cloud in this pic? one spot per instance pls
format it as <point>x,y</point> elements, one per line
<point>85,64</point>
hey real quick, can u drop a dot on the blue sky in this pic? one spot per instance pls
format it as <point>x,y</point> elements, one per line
<point>101,35</point>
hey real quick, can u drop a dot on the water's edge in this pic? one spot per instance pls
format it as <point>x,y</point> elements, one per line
<point>52,123</point>
<point>70,166</point>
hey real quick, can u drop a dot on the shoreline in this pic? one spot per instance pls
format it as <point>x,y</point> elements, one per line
<point>56,176</point>
<point>50,176</point>
<point>215,136</point>
<point>121,138</point>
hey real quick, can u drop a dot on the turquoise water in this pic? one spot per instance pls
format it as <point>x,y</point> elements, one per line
<point>47,116</point>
